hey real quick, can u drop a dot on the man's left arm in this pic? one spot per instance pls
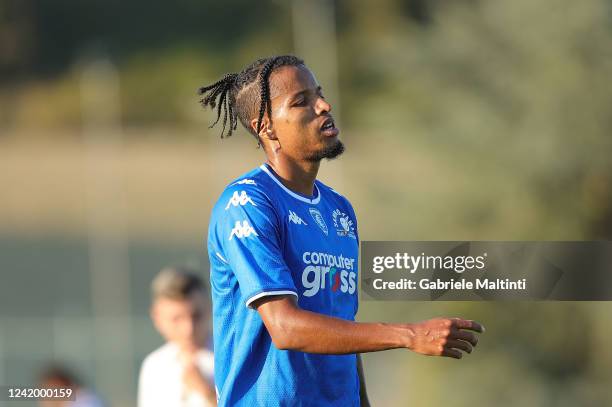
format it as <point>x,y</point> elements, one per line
<point>363,394</point>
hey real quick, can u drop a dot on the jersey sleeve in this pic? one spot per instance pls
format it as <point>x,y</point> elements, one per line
<point>248,232</point>
<point>351,211</point>
<point>354,217</point>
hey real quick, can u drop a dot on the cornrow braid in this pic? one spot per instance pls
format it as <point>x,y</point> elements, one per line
<point>221,87</point>
<point>264,91</point>
<point>240,99</point>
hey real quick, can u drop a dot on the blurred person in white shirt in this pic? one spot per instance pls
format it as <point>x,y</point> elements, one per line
<point>180,373</point>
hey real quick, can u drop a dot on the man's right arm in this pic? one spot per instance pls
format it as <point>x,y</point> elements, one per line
<point>292,328</point>
<point>248,237</point>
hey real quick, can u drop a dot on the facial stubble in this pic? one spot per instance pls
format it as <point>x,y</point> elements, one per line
<point>329,152</point>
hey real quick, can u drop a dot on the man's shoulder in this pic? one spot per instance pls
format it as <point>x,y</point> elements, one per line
<point>334,194</point>
<point>252,178</point>
<point>253,184</point>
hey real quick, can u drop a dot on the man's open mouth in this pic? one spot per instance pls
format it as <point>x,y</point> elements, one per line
<point>328,128</point>
<point>328,124</point>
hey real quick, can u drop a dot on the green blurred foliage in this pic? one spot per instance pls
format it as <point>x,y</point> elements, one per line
<point>520,87</point>
<point>481,119</point>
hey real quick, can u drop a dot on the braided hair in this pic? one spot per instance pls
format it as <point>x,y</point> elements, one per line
<point>239,98</point>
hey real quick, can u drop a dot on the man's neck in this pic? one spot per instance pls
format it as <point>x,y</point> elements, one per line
<point>298,176</point>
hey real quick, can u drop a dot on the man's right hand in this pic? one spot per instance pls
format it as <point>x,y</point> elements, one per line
<point>443,337</point>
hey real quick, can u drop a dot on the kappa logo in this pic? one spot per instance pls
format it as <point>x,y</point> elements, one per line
<point>241,199</point>
<point>343,224</point>
<point>241,230</point>
<point>245,181</point>
<point>293,217</point>
<point>318,218</point>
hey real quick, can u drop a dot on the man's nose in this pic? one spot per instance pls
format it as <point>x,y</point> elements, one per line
<point>322,106</point>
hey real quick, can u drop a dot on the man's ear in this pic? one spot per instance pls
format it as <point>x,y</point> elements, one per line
<point>266,130</point>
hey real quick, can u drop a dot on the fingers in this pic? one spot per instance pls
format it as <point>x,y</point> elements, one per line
<point>460,338</point>
<point>467,324</point>
<point>462,345</point>
<point>448,337</point>
<point>452,353</point>
<point>453,347</point>
<point>464,336</point>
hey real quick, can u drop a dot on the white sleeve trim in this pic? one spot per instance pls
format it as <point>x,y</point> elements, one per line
<point>221,257</point>
<point>269,293</point>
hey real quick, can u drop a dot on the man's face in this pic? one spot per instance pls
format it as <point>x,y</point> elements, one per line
<point>301,118</point>
<point>182,321</point>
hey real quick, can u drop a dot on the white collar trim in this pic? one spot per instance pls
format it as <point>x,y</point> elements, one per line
<point>313,201</point>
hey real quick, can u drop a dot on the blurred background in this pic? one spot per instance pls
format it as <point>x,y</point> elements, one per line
<point>463,120</point>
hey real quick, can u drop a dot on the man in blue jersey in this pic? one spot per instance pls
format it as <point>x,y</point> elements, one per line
<point>283,249</point>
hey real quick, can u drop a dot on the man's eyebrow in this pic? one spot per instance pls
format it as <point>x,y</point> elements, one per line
<point>304,91</point>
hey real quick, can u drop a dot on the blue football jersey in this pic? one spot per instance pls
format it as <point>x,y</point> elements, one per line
<point>266,240</point>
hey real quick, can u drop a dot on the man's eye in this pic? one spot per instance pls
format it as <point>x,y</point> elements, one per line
<point>299,102</point>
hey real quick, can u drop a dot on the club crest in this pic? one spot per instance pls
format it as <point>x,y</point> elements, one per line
<point>318,218</point>
<point>343,224</point>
